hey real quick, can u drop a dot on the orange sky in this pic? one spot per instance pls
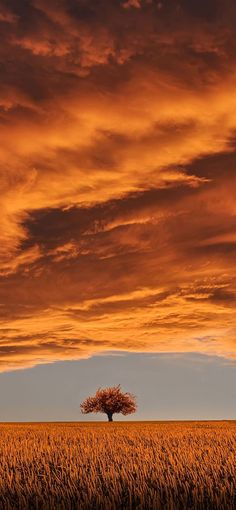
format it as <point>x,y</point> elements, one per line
<point>118,182</point>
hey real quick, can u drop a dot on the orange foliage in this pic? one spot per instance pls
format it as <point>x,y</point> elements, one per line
<point>109,401</point>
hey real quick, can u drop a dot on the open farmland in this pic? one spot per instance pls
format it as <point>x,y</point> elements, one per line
<point>159,465</point>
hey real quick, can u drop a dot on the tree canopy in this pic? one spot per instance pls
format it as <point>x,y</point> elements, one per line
<point>110,401</point>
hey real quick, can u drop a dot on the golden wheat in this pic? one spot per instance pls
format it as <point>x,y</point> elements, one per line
<point>149,465</point>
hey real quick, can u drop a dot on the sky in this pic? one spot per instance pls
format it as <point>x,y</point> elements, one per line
<point>167,387</point>
<point>117,184</point>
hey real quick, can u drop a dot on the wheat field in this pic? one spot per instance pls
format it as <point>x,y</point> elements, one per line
<point>139,465</point>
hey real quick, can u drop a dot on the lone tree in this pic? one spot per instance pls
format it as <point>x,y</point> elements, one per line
<point>109,401</point>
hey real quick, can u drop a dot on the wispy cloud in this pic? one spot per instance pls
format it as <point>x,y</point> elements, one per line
<point>117,173</point>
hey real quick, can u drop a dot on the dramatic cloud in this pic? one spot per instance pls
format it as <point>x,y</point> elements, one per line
<point>117,173</point>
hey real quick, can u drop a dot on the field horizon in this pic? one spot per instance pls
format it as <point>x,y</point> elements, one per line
<point>92,422</point>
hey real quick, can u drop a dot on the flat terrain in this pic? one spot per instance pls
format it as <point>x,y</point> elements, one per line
<point>146,465</point>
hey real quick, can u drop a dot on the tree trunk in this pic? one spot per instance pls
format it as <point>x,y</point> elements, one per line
<point>109,416</point>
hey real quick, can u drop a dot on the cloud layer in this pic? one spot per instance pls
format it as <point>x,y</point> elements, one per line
<point>117,173</point>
